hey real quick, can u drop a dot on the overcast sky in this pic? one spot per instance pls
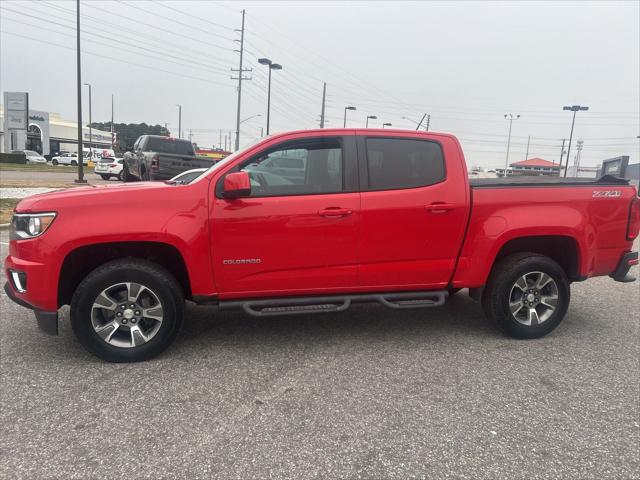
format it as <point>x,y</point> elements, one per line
<point>465,63</point>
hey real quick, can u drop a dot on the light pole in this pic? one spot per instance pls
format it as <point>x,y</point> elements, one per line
<point>511,118</point>
<point>272,66</point>
<point>80,178</point>
<point>249,118</point>
<point>344,125</point>
<point>372,117</point>
<point>179,120</point>
<point>575,109</point>
<point>419,124</point>
<point>387,125</point>
<point>90,131</point>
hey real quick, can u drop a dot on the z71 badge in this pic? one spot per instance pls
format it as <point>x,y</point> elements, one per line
<point>607,193</point>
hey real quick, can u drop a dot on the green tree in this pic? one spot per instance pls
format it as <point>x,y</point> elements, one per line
<point>128,133</point>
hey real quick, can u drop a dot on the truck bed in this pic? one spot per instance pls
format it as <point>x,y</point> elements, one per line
<point>524,181</point>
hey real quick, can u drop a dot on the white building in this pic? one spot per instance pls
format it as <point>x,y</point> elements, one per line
<point>49,134</point>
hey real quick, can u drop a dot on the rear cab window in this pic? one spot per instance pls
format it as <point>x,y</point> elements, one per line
<point>168,145</point>
<point>399,163</point>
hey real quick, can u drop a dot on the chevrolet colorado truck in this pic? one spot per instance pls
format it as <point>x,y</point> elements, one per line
<point>155,157</point>
<point>313,222</point>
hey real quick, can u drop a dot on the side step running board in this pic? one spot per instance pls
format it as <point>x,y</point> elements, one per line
<point>307,305</point>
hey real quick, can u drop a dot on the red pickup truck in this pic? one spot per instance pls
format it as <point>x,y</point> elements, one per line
<point>312,222</point>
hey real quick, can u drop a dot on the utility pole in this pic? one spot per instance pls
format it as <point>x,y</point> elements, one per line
<point>80,178</point>
<point>511,118</point>
<point>179,120</point>
<point>240,77</point>
<point>90,130</point>
<point>225,142</point>
<point>528,142</point>
<point>112,139</point>
<point>561,155</point>
<point>428,122</point>
<point>575,109</point>
<point>324,98</point>
<point>220,143</point>
<point>190,135</point>
<point>576,162</point>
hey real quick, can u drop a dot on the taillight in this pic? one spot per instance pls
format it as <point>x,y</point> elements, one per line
<point>155,162</point>
<point>113,165</point>
<point>633,226</point>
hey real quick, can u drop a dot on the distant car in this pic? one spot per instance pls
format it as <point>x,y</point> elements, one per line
<point>188,176</point>
<point>32,157</point>
<point>109,167</point>
<point>68,159</point>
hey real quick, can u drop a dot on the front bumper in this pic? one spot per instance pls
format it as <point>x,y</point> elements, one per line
<point>621,273</point>
<point>47,321</point>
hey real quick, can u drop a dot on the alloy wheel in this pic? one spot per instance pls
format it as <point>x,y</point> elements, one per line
<point>533,298</point>
<point>127,314</point>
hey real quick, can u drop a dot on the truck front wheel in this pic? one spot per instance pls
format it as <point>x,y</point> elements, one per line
<point>127,310</point>
<point>527,295</point>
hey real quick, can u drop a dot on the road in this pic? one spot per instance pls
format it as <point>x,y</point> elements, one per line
<point>370,393</point>
<point>66,174</point>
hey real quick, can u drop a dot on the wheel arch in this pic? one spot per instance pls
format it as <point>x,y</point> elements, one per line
<point>81,261</point>
<point>564,250</point>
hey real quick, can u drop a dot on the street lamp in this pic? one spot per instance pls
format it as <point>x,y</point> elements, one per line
<point>575,109</point>
<point>372,117</point>
<point>272,66</point>
<point>90,131</point>
<point>80,178</point>
<point>179,120</point>
<point>345,114</point>
<point>249,118</point>
<point>387,125</point>
<point>511,118</point>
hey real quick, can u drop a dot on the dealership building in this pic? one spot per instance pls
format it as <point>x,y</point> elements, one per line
<point>48,134</point>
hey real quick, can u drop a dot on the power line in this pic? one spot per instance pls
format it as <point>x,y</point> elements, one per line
<point>163,56</point>
<point>95,54</point>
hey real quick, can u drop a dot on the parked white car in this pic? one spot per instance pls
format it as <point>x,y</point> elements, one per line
<point>109,167</point>
<point>68,159</point>
<point>188,176</point>
<point>32,157</point>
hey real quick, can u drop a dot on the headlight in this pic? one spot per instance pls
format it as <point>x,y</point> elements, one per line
<point>30,225</point>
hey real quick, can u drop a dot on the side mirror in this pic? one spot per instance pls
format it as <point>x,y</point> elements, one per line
<point>236,185</point>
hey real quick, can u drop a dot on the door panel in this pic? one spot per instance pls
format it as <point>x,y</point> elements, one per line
<point>283,245</point>
<point>297,232</point>
<point>411,236</point>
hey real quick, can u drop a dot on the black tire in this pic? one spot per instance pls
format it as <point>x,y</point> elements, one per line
<point>497,294</point>
<point>145,273</point>
<point>105,177</point>
<point>54,161</point>
<point>74,163</point>
<point>126,175</point>
<point>120,176</point>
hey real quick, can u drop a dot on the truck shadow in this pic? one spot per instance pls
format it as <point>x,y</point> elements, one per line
<point>460,316</point>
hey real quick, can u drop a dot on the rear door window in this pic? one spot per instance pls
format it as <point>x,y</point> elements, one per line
<point>397,163</point>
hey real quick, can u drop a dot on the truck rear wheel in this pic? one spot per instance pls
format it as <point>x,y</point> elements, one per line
<point>127,310</point>
<point>527,295</point>
<point>126,176</point>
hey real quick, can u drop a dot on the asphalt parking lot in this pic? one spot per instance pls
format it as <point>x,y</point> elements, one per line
<point>370,393</point>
